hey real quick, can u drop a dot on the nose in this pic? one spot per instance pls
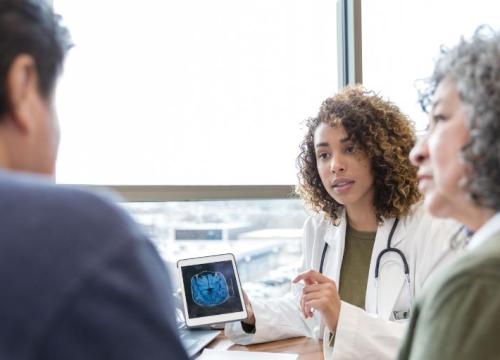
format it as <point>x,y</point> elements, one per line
<point>337,165</point>
<point>420,152</point>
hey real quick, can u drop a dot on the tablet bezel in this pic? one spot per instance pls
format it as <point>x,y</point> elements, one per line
<point>211,319</point>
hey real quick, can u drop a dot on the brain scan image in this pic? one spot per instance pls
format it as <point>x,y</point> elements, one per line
<point>209,288</point>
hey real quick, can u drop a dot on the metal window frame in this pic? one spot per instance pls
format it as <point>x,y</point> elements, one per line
<point>161,193</point>
<point>349,43</point>
<point>350,72</point>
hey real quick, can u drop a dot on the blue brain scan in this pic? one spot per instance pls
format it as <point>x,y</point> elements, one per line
<point>209,288</point>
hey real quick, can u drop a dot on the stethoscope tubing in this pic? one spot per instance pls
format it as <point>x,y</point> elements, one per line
<point>388,249</point>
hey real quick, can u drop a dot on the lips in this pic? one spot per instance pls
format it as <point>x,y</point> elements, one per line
<point>342,183</point>
<point>342,186</point>
<point>424,176</point>
<point>424,182</point>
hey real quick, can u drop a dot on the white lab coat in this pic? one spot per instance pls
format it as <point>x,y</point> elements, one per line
<point>370,333</point>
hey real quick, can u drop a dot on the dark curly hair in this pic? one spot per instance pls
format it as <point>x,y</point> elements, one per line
<point>474,68</point>
<point>383,133</point>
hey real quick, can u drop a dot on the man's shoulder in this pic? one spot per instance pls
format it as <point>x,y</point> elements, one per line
<point>36,203</point>
<point>76,259</point>
<point>31,190</point>
<point>54,235</point>
<point>36,188</point>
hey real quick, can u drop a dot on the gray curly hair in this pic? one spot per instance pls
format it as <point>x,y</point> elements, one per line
<point>474,67</point>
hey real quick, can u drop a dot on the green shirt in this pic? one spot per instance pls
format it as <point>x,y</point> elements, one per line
<point>459,315</point>
<point>355,266</point>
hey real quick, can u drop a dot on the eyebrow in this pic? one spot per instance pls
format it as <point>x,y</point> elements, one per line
<point>434,104</point>
<point>322,144</point>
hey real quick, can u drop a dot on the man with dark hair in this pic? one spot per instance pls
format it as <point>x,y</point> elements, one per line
<point>78,278</point>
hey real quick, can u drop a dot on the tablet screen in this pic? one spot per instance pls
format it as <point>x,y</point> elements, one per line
<point>211,289</point>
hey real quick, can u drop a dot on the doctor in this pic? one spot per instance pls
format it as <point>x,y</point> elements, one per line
<point>370,247</point>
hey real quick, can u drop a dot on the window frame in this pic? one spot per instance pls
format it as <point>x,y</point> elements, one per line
<point>161,193</point>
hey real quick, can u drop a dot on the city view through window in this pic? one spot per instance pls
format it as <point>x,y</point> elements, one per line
<point>264,235</point>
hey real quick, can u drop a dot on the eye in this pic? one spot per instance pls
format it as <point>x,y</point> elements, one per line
<point>323,155</point>
<point>350,149</point>
<point>438,118</point>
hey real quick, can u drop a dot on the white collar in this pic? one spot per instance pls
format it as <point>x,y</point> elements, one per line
<point>491,227</point>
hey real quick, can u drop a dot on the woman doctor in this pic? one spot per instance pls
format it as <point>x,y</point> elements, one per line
<point>369,247</point>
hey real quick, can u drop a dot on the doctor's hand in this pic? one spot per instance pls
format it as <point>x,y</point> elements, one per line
<point>319,293</point>
<point>250,320</point>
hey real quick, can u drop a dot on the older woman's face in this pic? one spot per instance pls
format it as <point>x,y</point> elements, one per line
<point>438,154</point>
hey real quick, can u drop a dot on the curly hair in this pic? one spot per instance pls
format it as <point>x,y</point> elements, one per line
<point>379,130</point>
<point>474,68</point>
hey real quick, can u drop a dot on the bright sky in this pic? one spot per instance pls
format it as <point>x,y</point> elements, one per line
<point>191,92</point>
<point>214,92</point>
<point>402,40</point>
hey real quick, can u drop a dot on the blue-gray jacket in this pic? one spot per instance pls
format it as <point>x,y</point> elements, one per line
<point>78,279</point>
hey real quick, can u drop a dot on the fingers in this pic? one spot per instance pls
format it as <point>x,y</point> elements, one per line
<point>305,306</point>
<point>317,300</point>
<point>307,280</point>
<point>318,296</point>
<point>310,277</point>
<point>315,288</point>
<point>245,298</point>
<point>248,304</point>
<point>329,312</point>
<point>311,305</point>
<point>306,310</point>
<point>250,315</point>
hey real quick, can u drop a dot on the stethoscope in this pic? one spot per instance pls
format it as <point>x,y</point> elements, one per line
<point>387,250</point>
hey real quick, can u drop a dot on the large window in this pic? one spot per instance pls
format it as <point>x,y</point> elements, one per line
<point>401,40</point>
<point>199,93</point>
<point>191,92</point>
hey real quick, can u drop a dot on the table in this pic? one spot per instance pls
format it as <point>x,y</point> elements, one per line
<point>307,348</point>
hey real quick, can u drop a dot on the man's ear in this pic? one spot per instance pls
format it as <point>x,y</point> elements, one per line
<point>22,91</point>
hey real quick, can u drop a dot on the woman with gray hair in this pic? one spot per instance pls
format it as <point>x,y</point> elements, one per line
<point>459,173</point>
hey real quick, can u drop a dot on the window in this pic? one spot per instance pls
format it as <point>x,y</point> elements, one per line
<point>203,95</point>
<point>401,41</point>
<point>191,92</point>
<point>264,235</point>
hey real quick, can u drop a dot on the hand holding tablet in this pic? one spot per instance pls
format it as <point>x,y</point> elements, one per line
<point>211,290</point>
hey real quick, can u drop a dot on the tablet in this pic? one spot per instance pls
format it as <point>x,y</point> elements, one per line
<point>211,290</point>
